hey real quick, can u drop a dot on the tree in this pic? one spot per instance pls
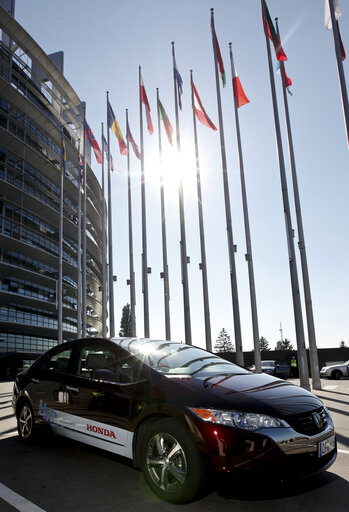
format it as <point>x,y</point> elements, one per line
<point>125,324</point>
<point>342,344</point>
<point>263,344</point>
<point>284,345</point>
<point>223,343</point>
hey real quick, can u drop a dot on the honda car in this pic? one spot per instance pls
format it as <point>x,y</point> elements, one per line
<point>177,411</point>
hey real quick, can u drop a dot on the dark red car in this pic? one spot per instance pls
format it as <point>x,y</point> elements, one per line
<point>174,410</point>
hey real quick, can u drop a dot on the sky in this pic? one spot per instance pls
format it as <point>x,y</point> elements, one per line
<point>104,43</point>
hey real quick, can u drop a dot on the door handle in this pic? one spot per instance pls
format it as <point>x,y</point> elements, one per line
<point>36,381</point>
<point>71,388</point>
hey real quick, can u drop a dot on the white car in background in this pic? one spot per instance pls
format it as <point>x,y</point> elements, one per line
<point>335,371</point>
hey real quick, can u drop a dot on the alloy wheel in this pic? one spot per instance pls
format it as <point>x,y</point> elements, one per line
<point>25,422</point>
<point>166,462</point>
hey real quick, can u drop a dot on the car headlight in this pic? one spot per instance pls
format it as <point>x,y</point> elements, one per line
<point>239,419</point>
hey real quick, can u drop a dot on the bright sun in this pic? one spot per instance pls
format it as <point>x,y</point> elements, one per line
<point>175,168</point>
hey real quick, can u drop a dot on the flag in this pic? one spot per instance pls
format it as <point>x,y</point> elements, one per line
<point>179,82</point>
<point>280,54</point>
<point>337,12</point>
<point>288,81</point>
<point>167,124</point>
<point>219,56</point>
<point>132,141</point>
<point>113,167</point>
<point>201,112</point>
<point>241,98</point>
<point>64,154</point>
<point>94,144</point>
<point>114,125</point>
<point>145,102</point>
<point>81,169</point>
<point>328,22</point>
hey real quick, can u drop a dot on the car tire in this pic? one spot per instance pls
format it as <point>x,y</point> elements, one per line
<point>26,422</point>
<point>336,374</point>
<point>171,463</point>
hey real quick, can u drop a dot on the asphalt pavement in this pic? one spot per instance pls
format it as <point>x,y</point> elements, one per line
<point>61,475</point>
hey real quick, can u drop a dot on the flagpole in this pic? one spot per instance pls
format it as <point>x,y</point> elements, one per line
<point>302,356</point>
<point>79,249</point>
<point>144,222</point>
<point>183,243</point>
<point>314,363</point>
<point>104,256</point>
<point>248,255</point>
<point>130,240</point>
<point>203,264</point>
<point>60,248</point>
<point>110,244</point>
<point>231,246</point>
<point>164,273</point>
<point>83,264</point>
<point>342,82</point>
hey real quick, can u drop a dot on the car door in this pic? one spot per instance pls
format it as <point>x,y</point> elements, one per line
<point>100,396</point>
<point>48,381</point>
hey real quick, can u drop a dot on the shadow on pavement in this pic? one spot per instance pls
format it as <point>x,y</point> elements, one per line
<point>269,488</point>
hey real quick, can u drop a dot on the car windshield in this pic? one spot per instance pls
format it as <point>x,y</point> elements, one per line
<point>178,359</point>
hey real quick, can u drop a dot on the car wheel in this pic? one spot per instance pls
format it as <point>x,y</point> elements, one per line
<point>336,375</point>
<point>26,422</point>
<point>171,463</point>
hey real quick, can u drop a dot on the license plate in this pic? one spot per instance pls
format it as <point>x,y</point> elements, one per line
<point>326,446</point>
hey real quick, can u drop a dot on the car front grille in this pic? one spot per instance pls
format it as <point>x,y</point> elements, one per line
<point>309,423</point>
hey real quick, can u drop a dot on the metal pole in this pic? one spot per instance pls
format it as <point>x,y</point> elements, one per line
<point>110,242</point>
<point>130,240</point>
<point>302,356</point>
<point>60,251</point>
<point>104,256</point>
<point>203,265</point>
<point>314,363</point>
<point>144,222</point>
<point>231,246</point>
<point>164,273</point>
<point>183,243</point>
<point>248,255</point>
<point>84,222</point>
<point>79,246</point>
<point>342,81</point>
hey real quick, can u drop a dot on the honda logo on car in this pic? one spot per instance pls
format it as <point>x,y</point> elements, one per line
<point>100,430</point>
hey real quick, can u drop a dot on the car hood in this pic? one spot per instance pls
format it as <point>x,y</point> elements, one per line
<point>250,392</point>
<point>334,366</point>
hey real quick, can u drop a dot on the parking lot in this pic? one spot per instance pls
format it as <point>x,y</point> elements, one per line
<point>60,475</point>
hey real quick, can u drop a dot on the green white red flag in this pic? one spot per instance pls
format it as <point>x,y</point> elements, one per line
<point>164,117</point>
<point>145,102</point>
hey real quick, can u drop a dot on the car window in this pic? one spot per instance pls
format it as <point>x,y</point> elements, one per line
<point>58,361</point>
<point>95,358</point>
<point>105,364</point>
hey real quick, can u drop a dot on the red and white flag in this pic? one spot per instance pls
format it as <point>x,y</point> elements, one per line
<point>328,21</point>
<point>201,112</point>
<point>241,98</point>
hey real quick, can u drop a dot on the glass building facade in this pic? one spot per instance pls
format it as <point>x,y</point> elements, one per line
<point>35,102</point>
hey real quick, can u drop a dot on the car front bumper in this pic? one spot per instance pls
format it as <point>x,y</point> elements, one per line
<point>276,450</point>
